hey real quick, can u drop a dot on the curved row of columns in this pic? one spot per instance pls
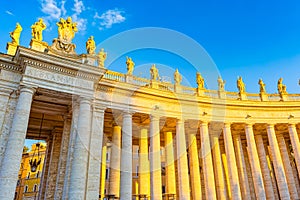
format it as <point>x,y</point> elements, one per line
<point>84,181</point>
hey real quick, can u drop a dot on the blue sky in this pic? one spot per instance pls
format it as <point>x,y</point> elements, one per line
<point>252,39</point>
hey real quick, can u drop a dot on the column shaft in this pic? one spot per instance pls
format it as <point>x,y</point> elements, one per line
<point>264,167</point>
<point>53,166</point>
<point>62,166</point>
<point>208,169</point>
<point>169,164</point>
<point>241,166</point>
<point>78,177</point>
<point>93,184</point>
<point>254,163</point>
<point>278,165</point>
<point>103,171</point>
<point>232,167</point>
<point>219,169</point>
<point>194,166</point>
<point>155,159</point>
<point>287,167</point>
<point>295,144</point>
<point>115,162</point>
<point>126,158</point>
<point>144,165</point>
<point>13,154</point>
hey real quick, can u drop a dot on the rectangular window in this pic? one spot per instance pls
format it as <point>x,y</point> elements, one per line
<point>106,174</point>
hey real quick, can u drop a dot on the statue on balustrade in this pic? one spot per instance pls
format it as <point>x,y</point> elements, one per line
<point>66,29</point>
<point>240,85</point>
<point>154,73</point>
<point>200,81</point>
<point>221,84</point>
<point>15,35</point>
<point>90,45</point>
<point>101,57</point>
<point>66,32</point>
<point>130,65</point>
<point>177,77</point>
<point>262,85</point>
<point>37,29</point>
<point>281,87</point>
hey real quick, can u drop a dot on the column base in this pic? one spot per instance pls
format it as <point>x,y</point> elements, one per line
<point>222,94</point>
<point>200,92</point>
<point>243,96</point>
<point>263,97</point>
<point>128,78</point>
<point>154,84</point>
<point>38,45</point>
<point>177,88</point>
<point>11,48</point>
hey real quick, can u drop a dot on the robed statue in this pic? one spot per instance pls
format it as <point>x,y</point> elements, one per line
<point>130,65</point>
<point>177,77</point>
<point>240,85</point>
<point>200,81</point>
<point>221,84</point>
<point>101,57</point>
<point>154,73</point>
<point>281,87</point>
<point>90,45</point>
<point>37,30</point>
<point>15,35</point>
<point>262,86</point>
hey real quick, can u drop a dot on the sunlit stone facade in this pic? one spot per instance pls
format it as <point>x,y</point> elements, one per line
<point>111,135</point>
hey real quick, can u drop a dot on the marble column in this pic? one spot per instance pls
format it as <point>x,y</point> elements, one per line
<point>287,166</point>
<point>13,154</point>
<point>78,176</point>
<point>241,166</point>
<point>264,167</point>
<point>254,163</point>
<point>155,159</point>
<point>231,161</point>
<point>7,116</point>
<point>144,165</point>
<point>93,183</point>
<point>53,165</point>
<point>126,158</point>
<point>208,169</point>
<point>182,163</point>
<point>115,162</point>
<point>70,149</point>
<point>295,144</point>
<point>4,97</point>
<point>219,168</point>
<point>63,158</point>
<point>103,171</point>
<point>278,164</point>
<point>194,165</point>
<point>170,164</point>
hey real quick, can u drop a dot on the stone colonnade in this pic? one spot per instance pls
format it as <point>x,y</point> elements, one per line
<point>194,168</point>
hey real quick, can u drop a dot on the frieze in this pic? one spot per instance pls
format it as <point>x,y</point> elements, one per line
<point>58,78</point>
<point>60,70</point>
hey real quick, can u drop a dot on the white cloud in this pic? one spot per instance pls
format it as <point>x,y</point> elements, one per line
<point>78,8</point>
<point>9,13</point>
<point>51,9</point>
<point>110,17</point>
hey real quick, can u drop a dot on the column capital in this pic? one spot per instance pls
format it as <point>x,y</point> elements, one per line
<point>271,125</point>
<point>85,100</point>
<point>248,125</point>
<point>203,123</point>
<point>154,117</point>
<point>29,89</point>
<point>227,124</point>
<point>292,125</point>
<point>127,113</point>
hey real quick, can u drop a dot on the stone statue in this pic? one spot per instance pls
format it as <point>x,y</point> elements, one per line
<point>241,85</point>
<point>130,65</point>
<point>262,85</point>
<point>90,45</point>
<point>154,73</point>
<point>221,84</point>
<point>102,57</point>
<point>281,87</point>
<point>37,29</point>
<point>66,29</point>
<point>200,81</point>
<point>15,35</point>
<point>177,77</point>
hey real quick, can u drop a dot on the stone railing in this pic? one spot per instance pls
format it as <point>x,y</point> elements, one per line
<point>170,87</point>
